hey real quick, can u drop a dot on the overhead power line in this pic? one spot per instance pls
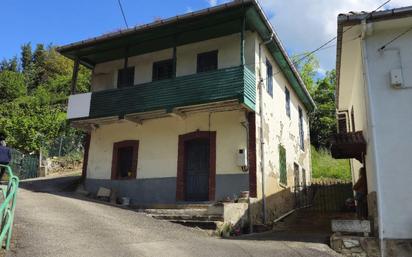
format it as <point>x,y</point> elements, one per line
<point>124,16</point>
<point>335,37</point>
<point>393,39</point>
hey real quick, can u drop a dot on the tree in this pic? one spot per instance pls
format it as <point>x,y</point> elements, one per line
<point>322,120</point>
<point>34,98</point>
<point>26,56</point>
<point>12,85</point>
<point>307,68</point>
<point>9,65</point>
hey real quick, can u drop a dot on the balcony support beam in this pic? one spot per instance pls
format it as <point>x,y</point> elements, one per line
<point>74,76</point>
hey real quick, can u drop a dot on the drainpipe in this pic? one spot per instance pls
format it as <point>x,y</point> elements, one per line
<point>262,143</point>
<point>372,133</point>
<point>245,124</point>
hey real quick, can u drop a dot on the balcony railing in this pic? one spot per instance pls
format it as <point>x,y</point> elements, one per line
<point>235,83</point>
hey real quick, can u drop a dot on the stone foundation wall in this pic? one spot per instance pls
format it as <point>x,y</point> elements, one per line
<point>355,246</point>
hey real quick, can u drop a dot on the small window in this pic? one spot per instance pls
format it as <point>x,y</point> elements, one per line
<point>287,100</point>
<point>301,131</point>
<point>342,127</point>
<point>125,77</point>
<point>282,166</point>
<point>352,116</point>
<point>269,76</point>
<point>162,70</point>
<point>207,61</point>
<point>124,162</point>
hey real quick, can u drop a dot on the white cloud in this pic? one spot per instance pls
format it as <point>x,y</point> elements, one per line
<point>304,25</point>
<point>212,2</point>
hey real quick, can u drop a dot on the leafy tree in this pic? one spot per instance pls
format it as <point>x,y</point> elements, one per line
<point>12,85</point>
<point>307,69</point>
<point>33,99</point>
<point>322,120</point>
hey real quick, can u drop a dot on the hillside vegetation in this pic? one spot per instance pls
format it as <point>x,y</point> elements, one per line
<point>324,166</point>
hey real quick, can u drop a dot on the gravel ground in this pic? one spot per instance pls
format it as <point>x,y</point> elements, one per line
<point>51,223</point>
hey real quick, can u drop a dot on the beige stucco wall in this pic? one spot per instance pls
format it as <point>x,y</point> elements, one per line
<point>228,47</point>
<point>158,143</point>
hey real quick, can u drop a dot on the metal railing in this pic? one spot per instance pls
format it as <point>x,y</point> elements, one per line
<point>7,206</point>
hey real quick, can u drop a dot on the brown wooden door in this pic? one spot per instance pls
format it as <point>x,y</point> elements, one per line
<point>197,169</point>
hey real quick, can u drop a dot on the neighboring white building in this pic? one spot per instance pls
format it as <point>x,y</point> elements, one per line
<point>174,112</point>
<point>374,98</point>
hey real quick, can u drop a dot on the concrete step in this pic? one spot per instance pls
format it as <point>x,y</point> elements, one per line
<point>210,226</point>
<point>174,206</point>
<point>197,211</point>
<point>183,217</point>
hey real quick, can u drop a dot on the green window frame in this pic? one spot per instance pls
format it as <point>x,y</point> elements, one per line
<point>283,179</point>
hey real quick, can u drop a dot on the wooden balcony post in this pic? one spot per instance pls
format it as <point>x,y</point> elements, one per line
<point>174,61</point>
<point>242,41</point>
<point>74,76</point>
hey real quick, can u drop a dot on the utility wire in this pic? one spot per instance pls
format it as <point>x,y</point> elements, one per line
<point>335,37</point>
<point>124,16</point>
<point>395,38</point>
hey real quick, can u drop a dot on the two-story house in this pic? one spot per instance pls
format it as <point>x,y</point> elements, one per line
<point>374,92</point>
<point>195,108</point>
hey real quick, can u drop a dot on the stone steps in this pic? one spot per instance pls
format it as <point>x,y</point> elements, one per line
<point>191,217</point>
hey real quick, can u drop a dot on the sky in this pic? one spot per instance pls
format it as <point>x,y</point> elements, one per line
<point>302,25</point>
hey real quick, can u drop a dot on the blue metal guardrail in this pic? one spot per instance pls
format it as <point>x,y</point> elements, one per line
<point>7,206</point>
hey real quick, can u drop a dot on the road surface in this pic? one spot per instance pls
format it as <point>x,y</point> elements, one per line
<point>53,223</point>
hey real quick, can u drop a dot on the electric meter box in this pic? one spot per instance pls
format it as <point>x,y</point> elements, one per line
<point>242,157</point>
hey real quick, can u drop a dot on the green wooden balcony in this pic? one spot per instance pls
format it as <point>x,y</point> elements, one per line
<point>235,83</point>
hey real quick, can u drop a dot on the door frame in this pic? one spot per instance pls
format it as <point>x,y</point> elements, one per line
<point>126,143</point>
<point>181,160</point>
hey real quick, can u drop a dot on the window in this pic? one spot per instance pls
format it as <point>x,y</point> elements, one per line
<point>304,178</point>
<point>296,176</point>
<point>207,61</point>
<point>162,70</point>
<point>125,77</point>
<point>282,166</point>
<point>342,127</point>
<point>269,76</point>
<point>287,100</point>
<point>301,132</point>
<point>352,116</point>
<point>124,162</point>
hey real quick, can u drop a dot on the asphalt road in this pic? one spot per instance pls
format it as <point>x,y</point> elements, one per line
<point>51,223</point>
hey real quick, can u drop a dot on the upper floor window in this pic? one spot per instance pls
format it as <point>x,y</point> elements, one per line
<point>301,132</point>
<point>269,76</point>
<point>125,77</point>
<point>287,100</point>
<point>162,70</point>
<point>207,61</point>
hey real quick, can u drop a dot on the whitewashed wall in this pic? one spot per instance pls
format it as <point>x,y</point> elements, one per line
<point>280,129</point>
<point>391,110</point>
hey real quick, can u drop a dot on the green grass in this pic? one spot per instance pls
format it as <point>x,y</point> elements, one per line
<point>324,166</point>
